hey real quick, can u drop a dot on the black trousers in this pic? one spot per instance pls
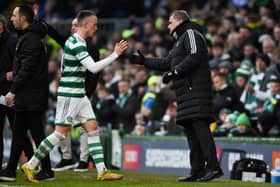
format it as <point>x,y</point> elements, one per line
<point>24,121</point>
<point>10,113</point>
<point>203,156</point>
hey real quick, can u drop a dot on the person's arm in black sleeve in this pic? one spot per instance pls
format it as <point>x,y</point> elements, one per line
<point>159,64</point>
<point>152,63</point>
<point>59,38</point>
<point>196,50</point>
<point>2,76</point>
<point>31,52</point>
<point>7,64</point>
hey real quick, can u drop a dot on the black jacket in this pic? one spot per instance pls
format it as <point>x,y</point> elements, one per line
<point>7,51</point>
<point>105,113</point>
<point>30,83</point>
<point>193,84</point>
<point>126,113</point>
<point>226,98</point>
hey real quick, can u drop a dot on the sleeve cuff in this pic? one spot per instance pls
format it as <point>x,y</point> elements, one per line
<point>13,89</point>
<point>114,55</point>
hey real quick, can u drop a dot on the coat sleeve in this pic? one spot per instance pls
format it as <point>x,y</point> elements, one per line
<point>29,57</point>
<point>11,45</point>
<point>195,51</point>
<point>159,64</point>
<point>59,38</point>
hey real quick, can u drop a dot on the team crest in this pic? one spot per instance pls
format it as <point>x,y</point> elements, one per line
<point>70,119</point>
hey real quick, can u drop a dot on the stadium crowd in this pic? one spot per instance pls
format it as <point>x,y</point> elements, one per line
<point>243,43</point>
<point>243,39</point>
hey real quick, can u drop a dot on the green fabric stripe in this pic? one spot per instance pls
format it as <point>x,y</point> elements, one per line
<point>42,149</point>
<point>67,50</point>
<point>90,119</point>
<point>38,156</point>
<point>98,160</point>
<point>63,124</point>
<point>72,63</point>
<point>70,95</point>
<point>75,50</point>
<point>95,152</point>
<point>83,58</point>
<point>48,143</point>
<point>74,74</point>
<point>77,125</point>
<point>94,145</point>
<point>72,84</point>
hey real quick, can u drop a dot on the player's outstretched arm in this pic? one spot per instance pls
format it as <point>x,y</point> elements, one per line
<point>88,62</point>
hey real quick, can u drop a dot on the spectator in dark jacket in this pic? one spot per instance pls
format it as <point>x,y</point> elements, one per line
<point>126,107</point>
<point>187,65</point>
<point>29,90</point>
<point>7,51</point>
<point>225,95</point>
<point>104,109</point>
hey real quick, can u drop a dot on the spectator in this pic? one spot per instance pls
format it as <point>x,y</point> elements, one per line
<point>105,114</point>
<point>225,67</point>
<point>126,107</point>
<point>252,96</point>
<point>241,78</point>
<point>224,95</point>
<point>242,126</point>
<point>227,120</point>
<point>149,97</point>
<point>267,117</point>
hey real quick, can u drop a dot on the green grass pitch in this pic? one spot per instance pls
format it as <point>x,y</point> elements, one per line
<point>131,179</point>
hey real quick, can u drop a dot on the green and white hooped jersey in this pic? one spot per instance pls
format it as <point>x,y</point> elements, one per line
<point>73,73</point>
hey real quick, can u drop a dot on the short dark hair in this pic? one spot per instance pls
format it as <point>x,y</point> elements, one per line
<point>27,12</point>
<point>125,80</point>
<point>180,15</point>
<point>84,14</point>
<point>221,76</point>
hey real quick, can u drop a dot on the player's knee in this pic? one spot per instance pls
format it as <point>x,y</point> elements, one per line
<point>91,126</point>
<point>62,130</point>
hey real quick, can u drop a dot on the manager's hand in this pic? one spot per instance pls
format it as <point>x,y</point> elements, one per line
<point>169,76</point>
<point>137,58</point>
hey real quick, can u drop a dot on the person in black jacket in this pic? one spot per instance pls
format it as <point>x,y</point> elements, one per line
<point>126,106</point>
<point>7,51</point>
<point>225,95</point>
<point>187,66</point>
<point>29,90</point>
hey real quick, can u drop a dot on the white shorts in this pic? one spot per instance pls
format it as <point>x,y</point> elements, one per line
<point>72,111</point>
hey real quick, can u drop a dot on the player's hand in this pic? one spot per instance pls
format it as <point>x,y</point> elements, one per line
<point>10,98</point>
<point>137,58</point>
<point>9,76</point>
<point>120,47</point>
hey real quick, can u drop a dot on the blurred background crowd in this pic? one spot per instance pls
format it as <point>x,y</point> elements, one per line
<point>243,38</point>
